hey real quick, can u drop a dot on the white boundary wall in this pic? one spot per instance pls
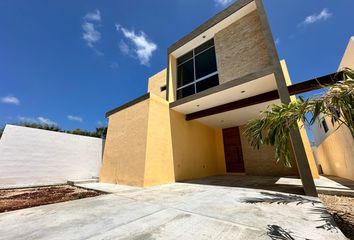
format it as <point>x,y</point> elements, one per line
<point>31,157</point>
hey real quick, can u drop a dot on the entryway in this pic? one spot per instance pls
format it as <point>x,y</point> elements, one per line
<point>233,150</point>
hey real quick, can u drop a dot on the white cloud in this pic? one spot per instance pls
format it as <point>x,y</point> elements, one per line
<point>90,33</point>
<point>223,2</point>
<point>124,48</point>
<point>93,16</point>
<point>37,120</point>
<point>26,119</point>
<point>114,65</point>
<point>10,100</point>
<point>141,47</point>
<point>46,121</point>
<point>277,41</point>
<point>75,118</point>
<point>322,16</point>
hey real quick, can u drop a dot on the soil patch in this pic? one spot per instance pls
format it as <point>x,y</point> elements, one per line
<point>342,210</point>
<point>13,199</point>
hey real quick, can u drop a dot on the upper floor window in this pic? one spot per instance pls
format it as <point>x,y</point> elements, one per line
<point>197,70</point>
<point>325,126</point>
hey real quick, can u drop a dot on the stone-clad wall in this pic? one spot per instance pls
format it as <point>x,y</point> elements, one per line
<point>241,48</point>
<point>262,162</point>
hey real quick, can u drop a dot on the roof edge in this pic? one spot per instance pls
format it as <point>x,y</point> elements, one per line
<point>209,23</point>
<point>128,104</point>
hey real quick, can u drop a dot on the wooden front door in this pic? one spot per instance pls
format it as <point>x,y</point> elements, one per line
<point>233,150</point>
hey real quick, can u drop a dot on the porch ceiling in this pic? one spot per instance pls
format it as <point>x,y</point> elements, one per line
<point>236,117</point>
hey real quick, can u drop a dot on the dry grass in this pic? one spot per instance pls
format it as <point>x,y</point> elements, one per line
<point>342,210</point>
<point>13,199</point>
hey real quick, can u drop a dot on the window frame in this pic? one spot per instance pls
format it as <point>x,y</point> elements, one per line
<point>194,55</point>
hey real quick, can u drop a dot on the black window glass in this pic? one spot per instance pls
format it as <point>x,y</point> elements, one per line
<point>205,63</point>
<point>204,46</point>
<point>325,126</point>
<point>185,73</point>
<point>163,88</point>
<point>186,91</point>
<point>185,57</point>
<point>208,83</point>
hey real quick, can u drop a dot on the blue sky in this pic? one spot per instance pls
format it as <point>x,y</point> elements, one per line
<point>69,62</point>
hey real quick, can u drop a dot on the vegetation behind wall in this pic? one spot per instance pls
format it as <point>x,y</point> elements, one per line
<point>98,133</point>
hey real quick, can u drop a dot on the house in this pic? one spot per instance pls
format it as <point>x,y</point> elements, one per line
<point>334,145</point>
<point>191,122</point>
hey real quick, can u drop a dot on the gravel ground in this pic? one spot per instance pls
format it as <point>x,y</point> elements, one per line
<point>13,199</point>
<point>342,210</point>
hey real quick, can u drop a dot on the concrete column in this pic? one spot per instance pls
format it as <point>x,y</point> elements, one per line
<point>297,144</point>
<point>295,136</point>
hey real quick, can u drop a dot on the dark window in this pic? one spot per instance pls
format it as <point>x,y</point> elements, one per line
<point>325,126</point>
<point>204,46</point>
<point>336,115</point>
<point>163,88</point>
<point>208,83</point>
<point>185,57</point>
<point>205,63</point>
<point>185,73</point>
<point>186,91</point>
<point>197,70</point>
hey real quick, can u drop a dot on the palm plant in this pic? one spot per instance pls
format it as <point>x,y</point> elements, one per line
<point>273,126</point>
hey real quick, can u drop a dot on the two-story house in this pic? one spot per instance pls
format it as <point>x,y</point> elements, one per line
<point>191,122</point>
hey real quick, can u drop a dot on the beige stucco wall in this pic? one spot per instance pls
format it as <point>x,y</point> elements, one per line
<point>241,48</point>
<point>195,150</point>
<point>262,162</point>
<point>336,154</point>
<point>125,149</point>
<point>348,57</point>
<point>156,82</point>
<point>172,76</point>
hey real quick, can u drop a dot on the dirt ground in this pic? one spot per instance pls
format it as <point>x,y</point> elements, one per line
<point>342,210</point>
<point>13,199</point>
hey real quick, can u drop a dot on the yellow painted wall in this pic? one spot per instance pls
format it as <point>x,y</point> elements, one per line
<point>159,157</point>
<point>125,149</point>
<point>220,154</point>
<point>336,154</point>
<point>194,148</point>
<point>138,148</point>
<point>304,137</point>
<point>156,82</point>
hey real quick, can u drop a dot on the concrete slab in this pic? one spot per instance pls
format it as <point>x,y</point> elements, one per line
<point>325,184</point>
<point>108,187</point>
<point>175,211</point>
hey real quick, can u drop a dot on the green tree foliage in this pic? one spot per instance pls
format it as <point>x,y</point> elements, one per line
<point>273,126</point>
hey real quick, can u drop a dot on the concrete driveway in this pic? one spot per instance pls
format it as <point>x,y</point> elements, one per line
<point>175,211</point>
